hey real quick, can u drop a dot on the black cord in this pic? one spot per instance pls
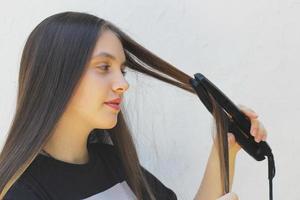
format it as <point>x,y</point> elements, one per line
<point>271,174</point>
<point>271,189</point>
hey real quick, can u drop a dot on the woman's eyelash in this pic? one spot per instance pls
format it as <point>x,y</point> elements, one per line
<point>107,66</point>
<point>123,72</point>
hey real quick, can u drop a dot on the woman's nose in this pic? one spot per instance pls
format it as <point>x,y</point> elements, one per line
<point>121,85</point>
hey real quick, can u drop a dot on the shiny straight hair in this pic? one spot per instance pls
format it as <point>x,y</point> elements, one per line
<point>54,58</point>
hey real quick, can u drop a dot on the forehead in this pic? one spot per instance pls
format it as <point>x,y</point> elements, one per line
<point>109,43</point>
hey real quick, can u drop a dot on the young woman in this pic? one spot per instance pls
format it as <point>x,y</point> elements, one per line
<point>69,138</point>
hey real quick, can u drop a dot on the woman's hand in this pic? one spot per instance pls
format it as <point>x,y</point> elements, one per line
<point>257,130</point>
<point>229,196</point>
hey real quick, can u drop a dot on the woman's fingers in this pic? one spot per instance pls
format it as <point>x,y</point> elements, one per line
<point>231,138</point>
<point>232,144</point>
<point>257,129</point>
<point>254,127</point>
<point>262,132</point>
<point>229,196</point>
<point>248,111</point>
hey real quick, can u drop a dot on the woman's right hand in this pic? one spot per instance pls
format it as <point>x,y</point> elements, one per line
<point>229,196</point>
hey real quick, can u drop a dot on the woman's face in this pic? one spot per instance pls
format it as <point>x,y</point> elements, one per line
<point>103,81</point>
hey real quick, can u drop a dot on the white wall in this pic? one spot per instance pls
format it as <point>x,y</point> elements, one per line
<point>247,48</point>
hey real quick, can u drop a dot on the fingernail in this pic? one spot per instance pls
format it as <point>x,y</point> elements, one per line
<point>252,132</point>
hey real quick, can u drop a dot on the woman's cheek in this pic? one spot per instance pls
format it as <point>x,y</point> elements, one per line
<point>99,88</point>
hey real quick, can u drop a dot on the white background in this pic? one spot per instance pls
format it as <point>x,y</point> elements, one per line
<point>249,49</point>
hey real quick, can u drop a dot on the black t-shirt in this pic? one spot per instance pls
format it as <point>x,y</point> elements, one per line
<point>102,178</point>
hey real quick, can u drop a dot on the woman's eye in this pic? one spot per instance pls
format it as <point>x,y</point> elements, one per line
<point>105,67</point>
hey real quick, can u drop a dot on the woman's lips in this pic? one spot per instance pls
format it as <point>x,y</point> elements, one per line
<point>113,105</point>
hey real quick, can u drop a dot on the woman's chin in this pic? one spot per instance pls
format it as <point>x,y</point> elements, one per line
<point>108,124</point>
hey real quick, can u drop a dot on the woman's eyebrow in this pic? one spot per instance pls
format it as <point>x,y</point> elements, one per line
<point>107,55</point>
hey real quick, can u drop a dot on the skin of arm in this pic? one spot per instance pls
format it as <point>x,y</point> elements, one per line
<point>211,185</point>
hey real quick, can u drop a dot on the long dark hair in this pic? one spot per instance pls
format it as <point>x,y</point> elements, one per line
<point>53,61</point>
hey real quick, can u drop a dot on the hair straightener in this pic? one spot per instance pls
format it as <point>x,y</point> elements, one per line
<point>239,123</point>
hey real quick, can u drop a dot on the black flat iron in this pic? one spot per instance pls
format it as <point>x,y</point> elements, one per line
<point>239,124</point>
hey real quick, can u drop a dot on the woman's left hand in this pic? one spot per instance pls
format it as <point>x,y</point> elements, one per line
<point>257,130</point>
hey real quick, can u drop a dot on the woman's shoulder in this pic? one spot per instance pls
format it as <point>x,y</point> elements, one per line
<point>160,190</point>
<point>27,186</point>
<point>19,191</point>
